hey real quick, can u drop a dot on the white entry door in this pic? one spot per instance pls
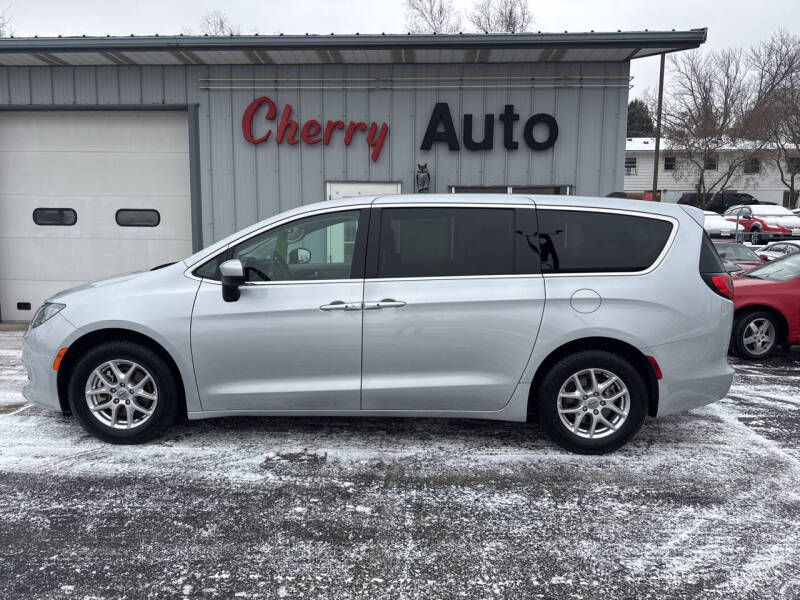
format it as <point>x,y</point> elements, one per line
<point>88,194</point>
<point>347,189</point>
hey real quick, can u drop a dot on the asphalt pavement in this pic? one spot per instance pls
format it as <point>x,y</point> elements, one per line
<point>700,505</point>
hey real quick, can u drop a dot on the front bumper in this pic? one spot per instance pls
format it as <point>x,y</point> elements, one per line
<point>39,349</point>
<point>778,233</point>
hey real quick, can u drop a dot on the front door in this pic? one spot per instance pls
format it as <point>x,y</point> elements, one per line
<point>293,339</point>
<point>452,306</point>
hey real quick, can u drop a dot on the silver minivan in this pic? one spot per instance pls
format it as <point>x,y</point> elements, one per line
<point>586,314</point>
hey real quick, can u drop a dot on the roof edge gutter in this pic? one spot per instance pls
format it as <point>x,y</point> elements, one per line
<point>680,40</point>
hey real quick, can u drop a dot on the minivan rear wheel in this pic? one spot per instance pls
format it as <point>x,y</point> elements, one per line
<point>123,392</point>
<point>592,402</point>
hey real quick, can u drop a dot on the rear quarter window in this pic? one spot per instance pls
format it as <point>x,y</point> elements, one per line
<point>573,241</point>
<point>710,261</point>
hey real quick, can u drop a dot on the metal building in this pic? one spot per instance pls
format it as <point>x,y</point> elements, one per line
<point>119,153</point>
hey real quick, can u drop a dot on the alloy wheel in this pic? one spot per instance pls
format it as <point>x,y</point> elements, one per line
<point>593,403</point>
<point>121,394</point>
<point>759,336</point>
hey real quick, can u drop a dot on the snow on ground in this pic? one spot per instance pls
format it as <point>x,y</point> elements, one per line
<point>12,375</point>
<point>701,505</point>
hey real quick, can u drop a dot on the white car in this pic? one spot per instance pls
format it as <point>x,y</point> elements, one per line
<point>718,226</point>
<point>778,249</point>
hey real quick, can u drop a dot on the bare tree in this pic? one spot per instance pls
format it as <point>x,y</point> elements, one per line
<point>432,16</point>
<point>707,116</point>
<point>500,16</point>
<point>217,23</point>
<point>5,24</point>
<point>776,66</point>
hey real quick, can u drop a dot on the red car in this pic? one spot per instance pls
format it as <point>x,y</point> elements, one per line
<point>738,254</point>
<point>765,222</point>
<point>766,304</point>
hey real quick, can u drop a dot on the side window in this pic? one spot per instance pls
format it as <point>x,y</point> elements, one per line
<point>446,242</point>
<point>55,216</point>
<point>315,248</point>
<point>778,248</point>
<point>598,242</point>
<point>792,249</point>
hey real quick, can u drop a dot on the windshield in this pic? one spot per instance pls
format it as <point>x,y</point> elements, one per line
<point>736,252</point>
<point>782,269</point>
<point>766,210</point>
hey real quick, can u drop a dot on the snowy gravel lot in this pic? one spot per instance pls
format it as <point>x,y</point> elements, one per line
<point>703,505</point>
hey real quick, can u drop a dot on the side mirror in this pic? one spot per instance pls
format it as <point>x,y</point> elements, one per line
<point>232,273</point>
<point>763,257</point>
<point>300,256</point>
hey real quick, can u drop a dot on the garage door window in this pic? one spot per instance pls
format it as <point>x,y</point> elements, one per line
<point>596,242</point>
<point>55,216</point>
<point>138,217</point>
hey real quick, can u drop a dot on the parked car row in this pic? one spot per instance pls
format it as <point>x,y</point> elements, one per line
<point>764,222</point>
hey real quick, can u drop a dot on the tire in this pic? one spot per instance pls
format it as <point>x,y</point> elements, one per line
<point>766,329</point>
<point>755,236</point>
<point>149,405</point>
<point>605,365</point>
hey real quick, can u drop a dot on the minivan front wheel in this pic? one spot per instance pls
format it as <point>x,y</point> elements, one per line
<point>123,392</point>
<point>592,402</point>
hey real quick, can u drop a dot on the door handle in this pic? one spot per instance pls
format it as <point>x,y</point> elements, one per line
<point>385,303</point>
<point>341,305</point>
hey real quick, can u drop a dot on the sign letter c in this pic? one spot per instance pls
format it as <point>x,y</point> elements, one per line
<point>249,113</point>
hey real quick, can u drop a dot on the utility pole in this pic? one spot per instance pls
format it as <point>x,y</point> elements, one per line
<point>658,128</point>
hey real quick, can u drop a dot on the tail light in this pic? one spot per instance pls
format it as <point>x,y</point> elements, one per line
<point>712,269</point>
<point>721,284</point>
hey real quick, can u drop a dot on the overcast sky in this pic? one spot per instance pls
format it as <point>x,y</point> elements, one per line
<point>730,23</point>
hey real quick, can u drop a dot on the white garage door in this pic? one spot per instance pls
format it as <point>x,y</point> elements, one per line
<point>88,194</point>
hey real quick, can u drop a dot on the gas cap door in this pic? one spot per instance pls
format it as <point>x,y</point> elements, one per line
<point>585,301</point>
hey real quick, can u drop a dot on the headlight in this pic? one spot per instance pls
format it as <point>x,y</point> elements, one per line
<point>46,311</point>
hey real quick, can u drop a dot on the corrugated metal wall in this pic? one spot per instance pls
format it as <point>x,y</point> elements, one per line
<point>242,183</point>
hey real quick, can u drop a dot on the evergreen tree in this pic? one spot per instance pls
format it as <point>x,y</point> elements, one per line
<point>640,123</point>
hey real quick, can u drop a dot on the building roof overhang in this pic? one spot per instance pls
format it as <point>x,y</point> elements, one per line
<point>620,46</point>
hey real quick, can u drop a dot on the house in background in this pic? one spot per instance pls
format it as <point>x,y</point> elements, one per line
<point>759,178</point>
